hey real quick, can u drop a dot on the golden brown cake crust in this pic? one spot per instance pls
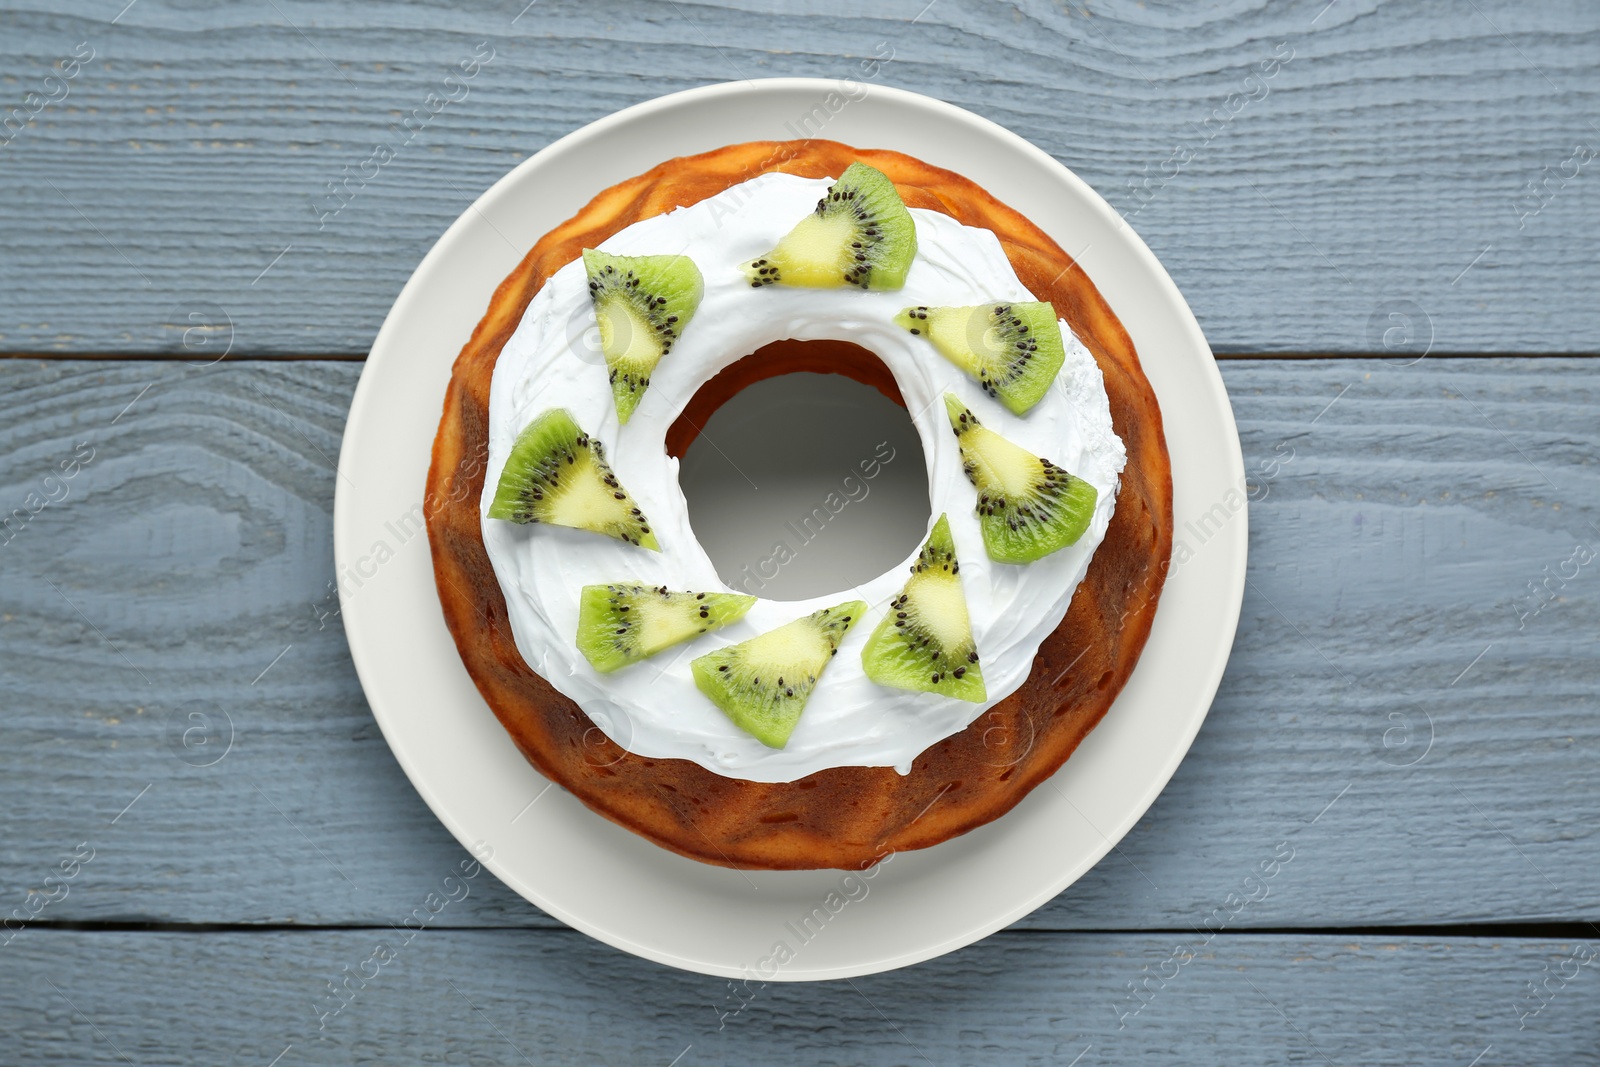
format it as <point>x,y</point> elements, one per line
<point>845,817</point>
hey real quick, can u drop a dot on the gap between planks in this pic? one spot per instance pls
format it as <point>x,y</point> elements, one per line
<point>1552,931</point>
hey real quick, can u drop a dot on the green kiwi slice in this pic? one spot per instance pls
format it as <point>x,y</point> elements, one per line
<point>860,234</point>
<point>762,684</point>
<point>558,474</point>
<point>1013,351</point>
<point>925,642</point>
<point>622,624</point>
<point>642,304</point>
<point>1027,506</point>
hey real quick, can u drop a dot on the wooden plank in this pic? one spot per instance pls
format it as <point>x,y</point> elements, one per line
<point>555,997</point>
<point>1393,547</point>
<point>1415,159</point>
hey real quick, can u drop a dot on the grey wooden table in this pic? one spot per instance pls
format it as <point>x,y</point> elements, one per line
<point>1390,241</point>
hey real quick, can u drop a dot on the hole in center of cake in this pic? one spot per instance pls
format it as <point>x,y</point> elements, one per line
<point>802,469</point>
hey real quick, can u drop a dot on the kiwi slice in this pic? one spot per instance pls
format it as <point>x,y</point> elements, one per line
<point>1013,350</point>
<point>622,624</point>
<point>558,474</point>
<point>925,642</point>
<point>860,234</point>
<point>1027,507</point>
<point>762,684</point>
<point>642,304</point>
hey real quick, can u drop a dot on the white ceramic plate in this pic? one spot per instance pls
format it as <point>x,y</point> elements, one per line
<point>604,880</point>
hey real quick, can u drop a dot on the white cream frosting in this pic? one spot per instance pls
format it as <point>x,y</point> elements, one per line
<point>653,708</point>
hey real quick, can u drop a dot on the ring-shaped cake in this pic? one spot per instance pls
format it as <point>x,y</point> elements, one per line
<point>868,770</point>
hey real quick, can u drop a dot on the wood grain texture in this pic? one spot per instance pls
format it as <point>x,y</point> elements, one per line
<point>548,997</point>
<point>1385,166</point>
<point>185,570</point>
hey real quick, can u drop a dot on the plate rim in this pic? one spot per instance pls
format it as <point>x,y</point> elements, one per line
<point>381,354</point>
